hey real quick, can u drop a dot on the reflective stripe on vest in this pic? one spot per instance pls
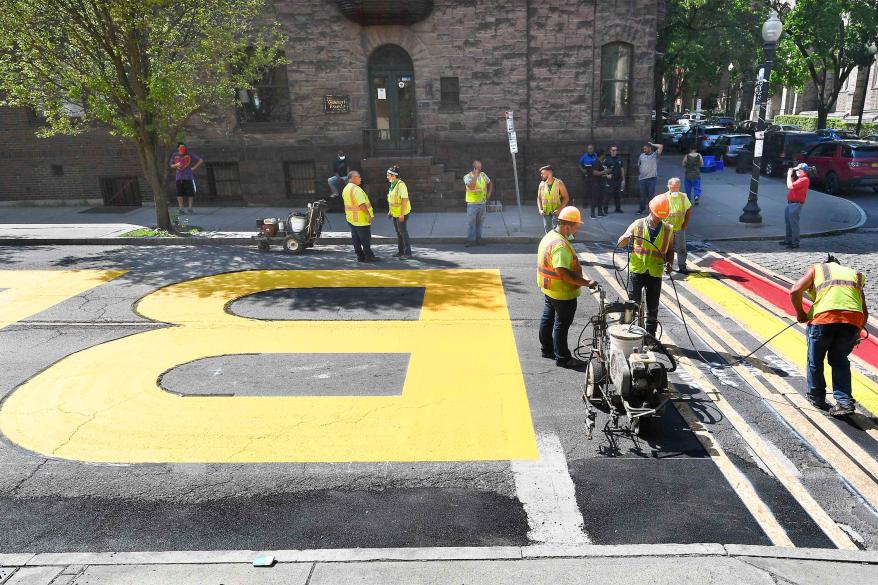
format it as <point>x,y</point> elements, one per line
<point>642,248</point>
<point>836,288</point>
<point>550,195</point>
<point>353,213</point>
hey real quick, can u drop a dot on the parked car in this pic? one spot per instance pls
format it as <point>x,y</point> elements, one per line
<point>843,165</point>
<point>729,146</point>
<point>671,134</point>
<point>692,119</point>
<point>702,136</point>
<point>871,137</point>
<point>726,121</point>
<point>782,127</point>
<point>779,150</point>
<point>827,134</point>
<point>746,127</point>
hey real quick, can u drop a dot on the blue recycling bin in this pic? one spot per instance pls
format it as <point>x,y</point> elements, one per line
<point>709,164</point>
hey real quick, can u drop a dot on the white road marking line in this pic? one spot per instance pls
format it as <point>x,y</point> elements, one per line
<point>545,489</point>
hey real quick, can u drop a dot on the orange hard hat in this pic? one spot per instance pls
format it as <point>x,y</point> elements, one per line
<point>660,206</point>
<point>571,214</point>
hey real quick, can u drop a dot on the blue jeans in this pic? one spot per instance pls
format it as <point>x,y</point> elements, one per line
<point>692,188</point>
<point>475,217</point>
<point>554,325</point>
<point>647,191</point>
<point>550,222</point>
<point>362,240</point>
<point>834,341</point>
<point>336,184</point>
<point>403,242</point>
<point>791,218</point>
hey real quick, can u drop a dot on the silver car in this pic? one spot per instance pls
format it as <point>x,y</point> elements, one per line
<point>671,134</point>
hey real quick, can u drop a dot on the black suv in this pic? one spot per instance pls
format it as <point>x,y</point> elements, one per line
<point>780,149</point>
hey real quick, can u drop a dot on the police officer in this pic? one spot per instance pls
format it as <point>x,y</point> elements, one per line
<point>835,320</point>
<point>358,212</point>
<point>552,197</point>
<point>651,250</point>
<point>559,276</point>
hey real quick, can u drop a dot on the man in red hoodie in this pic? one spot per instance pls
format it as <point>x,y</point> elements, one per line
<point>798,184</point>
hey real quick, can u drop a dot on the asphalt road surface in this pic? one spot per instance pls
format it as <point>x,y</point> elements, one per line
<point>174,398</point>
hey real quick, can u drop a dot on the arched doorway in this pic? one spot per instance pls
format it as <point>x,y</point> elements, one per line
<point>392,90</point>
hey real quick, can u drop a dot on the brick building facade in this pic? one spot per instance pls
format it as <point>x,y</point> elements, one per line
<point>429,93</point>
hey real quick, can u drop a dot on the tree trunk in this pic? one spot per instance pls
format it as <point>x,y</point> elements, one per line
<point>822,114</point>
<point>149,162</point>
<point>747,93</point>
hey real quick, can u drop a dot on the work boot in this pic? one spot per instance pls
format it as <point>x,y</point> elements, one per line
<point>570,363</point>
<point>838,410</point>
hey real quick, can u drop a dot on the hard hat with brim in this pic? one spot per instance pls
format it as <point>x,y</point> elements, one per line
<point>660,206</point>
<point>570,214</point>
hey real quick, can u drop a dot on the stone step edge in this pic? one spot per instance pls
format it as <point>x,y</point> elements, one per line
<point>534,551</point>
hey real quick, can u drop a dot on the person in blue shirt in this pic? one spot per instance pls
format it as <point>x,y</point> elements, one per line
<point>592,175</point>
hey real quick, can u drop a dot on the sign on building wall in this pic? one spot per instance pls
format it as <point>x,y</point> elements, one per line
<point>336,104</point>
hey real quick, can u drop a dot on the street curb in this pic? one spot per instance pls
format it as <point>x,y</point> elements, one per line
<point>348,555</point>
<point>859,224</point>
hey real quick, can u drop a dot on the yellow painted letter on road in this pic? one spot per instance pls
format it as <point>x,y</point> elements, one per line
<point>463,398</point>
<point>29,292</point>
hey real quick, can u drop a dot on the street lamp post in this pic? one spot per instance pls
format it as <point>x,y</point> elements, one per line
<point>872,50</point>
<point>771,31</point>
<point>729,106</point>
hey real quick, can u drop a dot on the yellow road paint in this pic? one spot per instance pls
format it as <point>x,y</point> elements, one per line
<point>845,456</point>
<point>29,292</point>
<point>745,490</point>
<point>791,344</point>
<point>104,404</point>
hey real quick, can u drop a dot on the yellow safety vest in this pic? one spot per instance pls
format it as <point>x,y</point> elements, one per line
<point>836,288</point>
<point>481,193</point>
<point>352,211</point>
<point>678,211</point>
<point>649,256</point>
<point>548,277</point>
<point>398,199</point>
<point>550,195</point>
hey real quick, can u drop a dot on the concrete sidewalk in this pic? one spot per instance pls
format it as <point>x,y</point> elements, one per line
<point>715,219</point>
<point>703,564</point>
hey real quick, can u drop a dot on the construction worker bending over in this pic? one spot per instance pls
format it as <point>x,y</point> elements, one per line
<point>552,197</point>
<point>559,276</point>
<point>651,250</point>
<point>358,212</point>
<point>835,320</point>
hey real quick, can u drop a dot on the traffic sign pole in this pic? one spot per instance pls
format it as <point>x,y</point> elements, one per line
<point>513,149</point>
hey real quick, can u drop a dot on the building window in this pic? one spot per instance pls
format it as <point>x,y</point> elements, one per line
<point>57,170</point>
<point>449,88</point>
<point>615,79</point>
<point>224,181</point>
<point>301,178</point>
<point>268,101</point>
<point>120,191</point>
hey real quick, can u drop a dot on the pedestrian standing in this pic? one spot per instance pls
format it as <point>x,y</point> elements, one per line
<point>651,251</point>
<point>552,197</point>
<point>798,184</point>
<point>615,179</point>
<point>678,218</point>
<point>588,166</point>
<point>647,163</point>
<point>399,208</point>
<point>692,164</point>
<point>478,193</point>
<point>340,167</point>
<point>559,276</point>
<point>184,164</point>
<point>835,320</point>
<point>359,214</point>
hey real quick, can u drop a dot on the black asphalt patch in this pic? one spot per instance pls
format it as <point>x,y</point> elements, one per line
<point>338,304</point>
<point>290,374</point>
<point>318,519</point>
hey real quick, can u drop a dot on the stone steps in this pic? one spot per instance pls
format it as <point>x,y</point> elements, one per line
<point>431,186</point>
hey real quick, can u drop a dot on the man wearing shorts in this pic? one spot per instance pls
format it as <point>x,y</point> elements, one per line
<point>185,164</point>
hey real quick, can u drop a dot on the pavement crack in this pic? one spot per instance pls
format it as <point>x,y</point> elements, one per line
<point>18,485</point>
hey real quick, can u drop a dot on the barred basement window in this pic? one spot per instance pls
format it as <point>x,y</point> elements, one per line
<point>224,181</point>
<point>268,101</point>
<point>120,191</point>
<point>301,178</point>
<point>615,79</point>
<point>449,92</point>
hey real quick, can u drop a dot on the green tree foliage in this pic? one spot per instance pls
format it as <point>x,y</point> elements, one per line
<point>140,68</point>
<point>822,43</point>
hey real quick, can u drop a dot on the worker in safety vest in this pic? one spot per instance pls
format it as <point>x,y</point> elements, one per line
<point>552,197</point>
<point>478,193</point>
<point>651,251</point>
<point>358,212</point>
<point>835,320</point>
<point>559,276</point>
<point>678,218</point>
<point>399,208</point>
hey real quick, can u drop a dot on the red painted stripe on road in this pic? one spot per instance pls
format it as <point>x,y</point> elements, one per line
<point>778,297</point>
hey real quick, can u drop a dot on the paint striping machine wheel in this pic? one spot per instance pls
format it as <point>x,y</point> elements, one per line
<point>293,245</point>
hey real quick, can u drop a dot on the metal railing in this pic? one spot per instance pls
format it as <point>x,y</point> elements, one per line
<point>377,141</point>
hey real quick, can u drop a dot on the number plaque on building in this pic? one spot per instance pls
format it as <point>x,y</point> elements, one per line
<point>336,104</point>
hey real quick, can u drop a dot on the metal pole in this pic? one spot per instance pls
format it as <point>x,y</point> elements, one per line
<point>751,212</point>
<point>863,99</point>
<point>517,192</point>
